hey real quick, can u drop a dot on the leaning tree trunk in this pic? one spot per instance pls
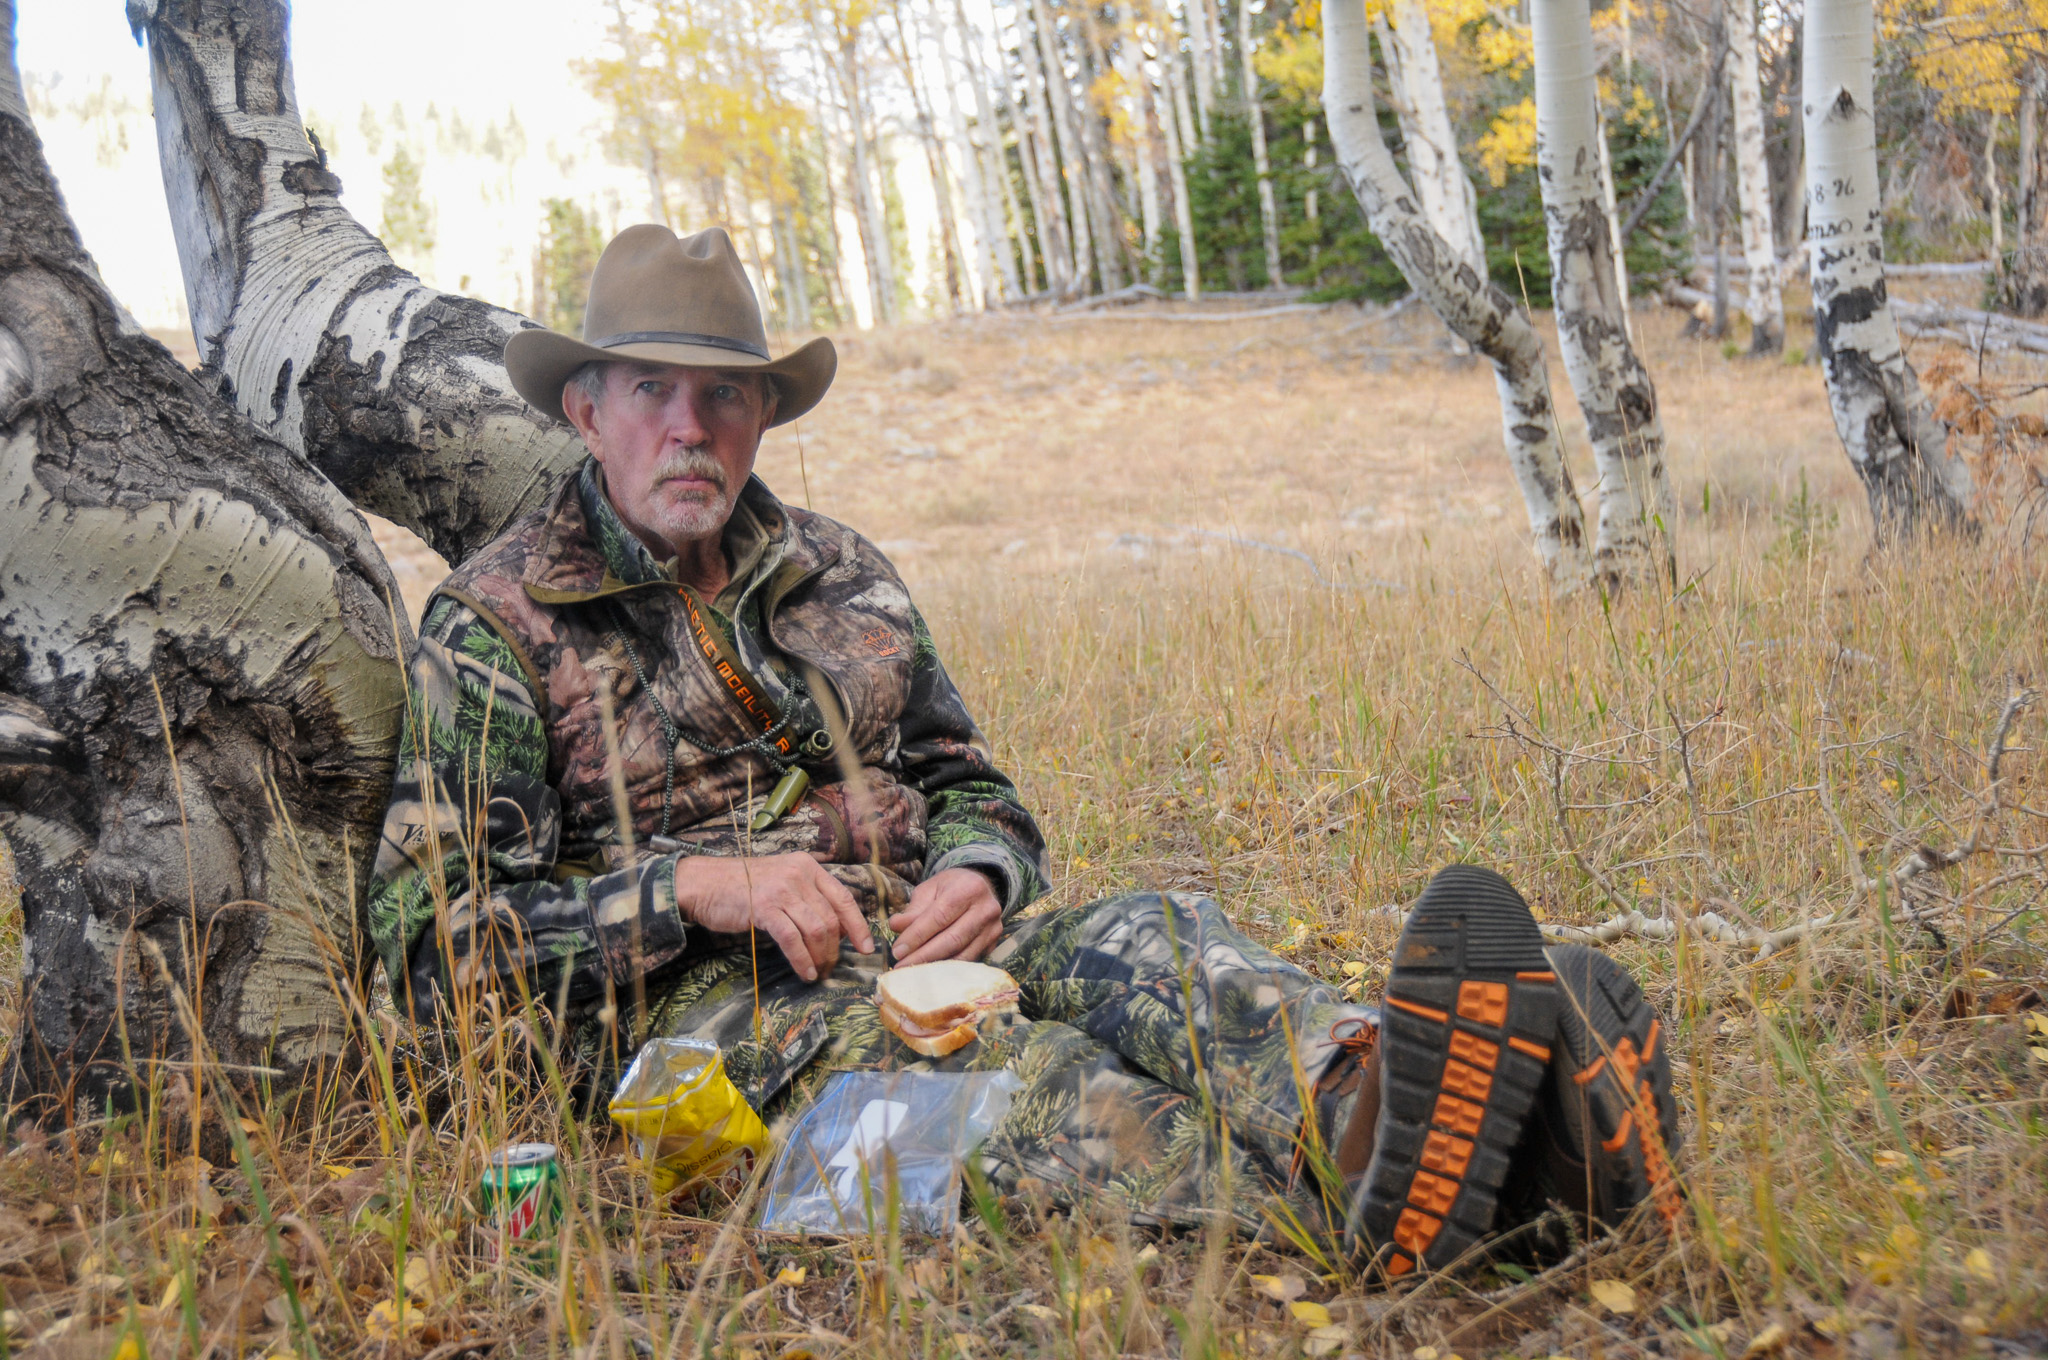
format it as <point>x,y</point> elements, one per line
<point>394,390</point>
<point>200,693</point>
<point>1896,443</point>
<point>1059,98</point>
<point>1482,315</point>
<point>1765,303</point>
<point>1614,389</point>
<point>1432,144</point>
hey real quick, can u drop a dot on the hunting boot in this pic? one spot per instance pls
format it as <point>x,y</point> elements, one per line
<point>1602,1139</point>
<point>1466,1029</point>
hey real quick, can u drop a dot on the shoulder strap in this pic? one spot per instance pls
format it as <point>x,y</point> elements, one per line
<point>511,639</point>
<point>739,683</point>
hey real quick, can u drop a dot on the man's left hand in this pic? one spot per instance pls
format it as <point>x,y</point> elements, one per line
<point>951,915</point>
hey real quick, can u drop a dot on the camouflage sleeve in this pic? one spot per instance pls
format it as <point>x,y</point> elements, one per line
<point>463,887</point>
<point>974,819</point>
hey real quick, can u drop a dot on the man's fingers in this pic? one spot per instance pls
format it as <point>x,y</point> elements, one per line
<point>949,943</point>
<point>852,923</point>
<point>820,927</point>
<point>792,943</point>
<point>938,914</point>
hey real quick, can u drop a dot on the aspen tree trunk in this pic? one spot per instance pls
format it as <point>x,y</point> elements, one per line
<point>950,247</point>
<point>1613,388</point>
<point>2023,287</point>
<point>1175,125</point>
<point>1074,170</point>
<point>1894,440</point>
<point>997,197</point>
<point>1112,245</point>
<point>987,228</point>
<point>1480,314</point>
<point>1201,42</point>
<point>869,204</point>
<point>1992,190</point>
<point>1041,184</point>
<point>1255,114</point>
<point>200,693</point>
<point>395,390</point>
<point>1143,105</point>
<point>1611,210</point>
<point>1432,144</point>
<point>1765,302</point>
<point>1048,204</point>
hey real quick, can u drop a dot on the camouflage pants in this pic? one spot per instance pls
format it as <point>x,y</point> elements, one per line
<point>1166,1059</point>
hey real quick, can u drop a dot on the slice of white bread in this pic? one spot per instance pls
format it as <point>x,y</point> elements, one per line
<point>936,1008</point>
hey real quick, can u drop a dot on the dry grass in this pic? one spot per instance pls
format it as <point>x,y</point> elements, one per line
<point>1863,1107</point>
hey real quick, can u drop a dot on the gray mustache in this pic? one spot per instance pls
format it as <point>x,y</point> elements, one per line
<point>703,469</point>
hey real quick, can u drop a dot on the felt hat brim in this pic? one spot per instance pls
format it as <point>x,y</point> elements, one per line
<point>539,362</point>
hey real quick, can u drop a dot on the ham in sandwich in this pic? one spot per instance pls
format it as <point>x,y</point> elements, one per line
<point>938,1007</point>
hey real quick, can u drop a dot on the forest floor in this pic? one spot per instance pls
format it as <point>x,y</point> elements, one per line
<point>1249,609</point>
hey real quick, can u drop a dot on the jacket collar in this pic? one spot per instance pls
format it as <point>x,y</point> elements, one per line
<point>587,553</point>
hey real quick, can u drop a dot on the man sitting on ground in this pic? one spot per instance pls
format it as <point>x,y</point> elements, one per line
<point>665,712</point>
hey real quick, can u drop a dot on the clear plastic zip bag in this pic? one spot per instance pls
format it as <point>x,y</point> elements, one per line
<point>874,1134</point>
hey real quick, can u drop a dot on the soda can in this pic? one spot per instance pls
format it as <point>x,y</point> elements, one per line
<point>521,1194</point>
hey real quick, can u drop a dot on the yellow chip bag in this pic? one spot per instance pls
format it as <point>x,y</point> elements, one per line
<point>688,1122</point>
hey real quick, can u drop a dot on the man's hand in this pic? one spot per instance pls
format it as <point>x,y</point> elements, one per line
<point>951,915</point>
<point>802,907</point>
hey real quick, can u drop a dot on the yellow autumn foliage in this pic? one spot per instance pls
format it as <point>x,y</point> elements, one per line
<point>1970,52</point>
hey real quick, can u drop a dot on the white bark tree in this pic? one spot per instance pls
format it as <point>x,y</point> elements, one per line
<point>392,388</point>
<point>200,690</point>
<point>1255,115</point>
<point>1426,132</point>
<point>992,171</point>
<point>1072,172</point>
<point>1765,303</point>
<point>1176,125</point>
<point>1614,389</point>
<point>1202,43</point>
<point>1480,314</point>
<point>1894,440</point>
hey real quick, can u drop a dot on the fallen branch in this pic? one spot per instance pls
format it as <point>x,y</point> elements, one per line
<point>1289,309</point>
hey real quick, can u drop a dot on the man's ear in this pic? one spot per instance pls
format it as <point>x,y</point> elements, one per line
<point>581,410</point>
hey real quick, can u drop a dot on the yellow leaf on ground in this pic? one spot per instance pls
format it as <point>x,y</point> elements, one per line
<point>381,1322</point>
<point>1978,1263</point>
<point>965,1342</point>
<point>1094,1298</point>
<point>174,1294</point>
<point>419,1279</point>
<point>337,1169</point>
<point>250,1126</point>
<point>1426,1353</point>
<point>1614,1295</point>
<point>1279,1288</point>
<point>129,1349</point>
<point>1889,1160</point>
<point>792,1275</point>
<point>1309,1314</point>
<point>1354,969</point>
<point>1769,1341</point>
<point>1326,1340</point>
<point>1038,1311</point>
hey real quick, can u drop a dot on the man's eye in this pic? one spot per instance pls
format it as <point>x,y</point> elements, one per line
<point>650,387</point>
<point>725,392</point>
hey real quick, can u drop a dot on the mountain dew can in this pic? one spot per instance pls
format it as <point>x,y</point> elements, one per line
<point>521,1194</point>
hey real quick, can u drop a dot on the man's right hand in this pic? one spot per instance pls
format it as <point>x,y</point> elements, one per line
<point>804,909</point>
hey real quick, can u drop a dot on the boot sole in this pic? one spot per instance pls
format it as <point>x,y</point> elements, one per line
<point>1469,1015</point>
<point>1614,1083</point>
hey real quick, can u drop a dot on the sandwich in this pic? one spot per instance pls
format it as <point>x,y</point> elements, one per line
<point>938,1007</point>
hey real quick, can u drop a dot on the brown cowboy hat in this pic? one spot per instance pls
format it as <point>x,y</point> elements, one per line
<point>662,299</point>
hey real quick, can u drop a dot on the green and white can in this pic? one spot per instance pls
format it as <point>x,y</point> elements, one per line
<point>521,1194</point>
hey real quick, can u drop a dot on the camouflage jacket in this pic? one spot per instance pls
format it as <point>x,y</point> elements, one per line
<point>562,671</point>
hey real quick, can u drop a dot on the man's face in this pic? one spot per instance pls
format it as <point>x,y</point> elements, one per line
<point>677,444</point>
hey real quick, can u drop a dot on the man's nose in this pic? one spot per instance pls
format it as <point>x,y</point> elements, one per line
<point>687,425</point>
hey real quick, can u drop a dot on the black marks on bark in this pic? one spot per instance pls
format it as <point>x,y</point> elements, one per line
<point>308,178</point>
<point>281,393</point>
